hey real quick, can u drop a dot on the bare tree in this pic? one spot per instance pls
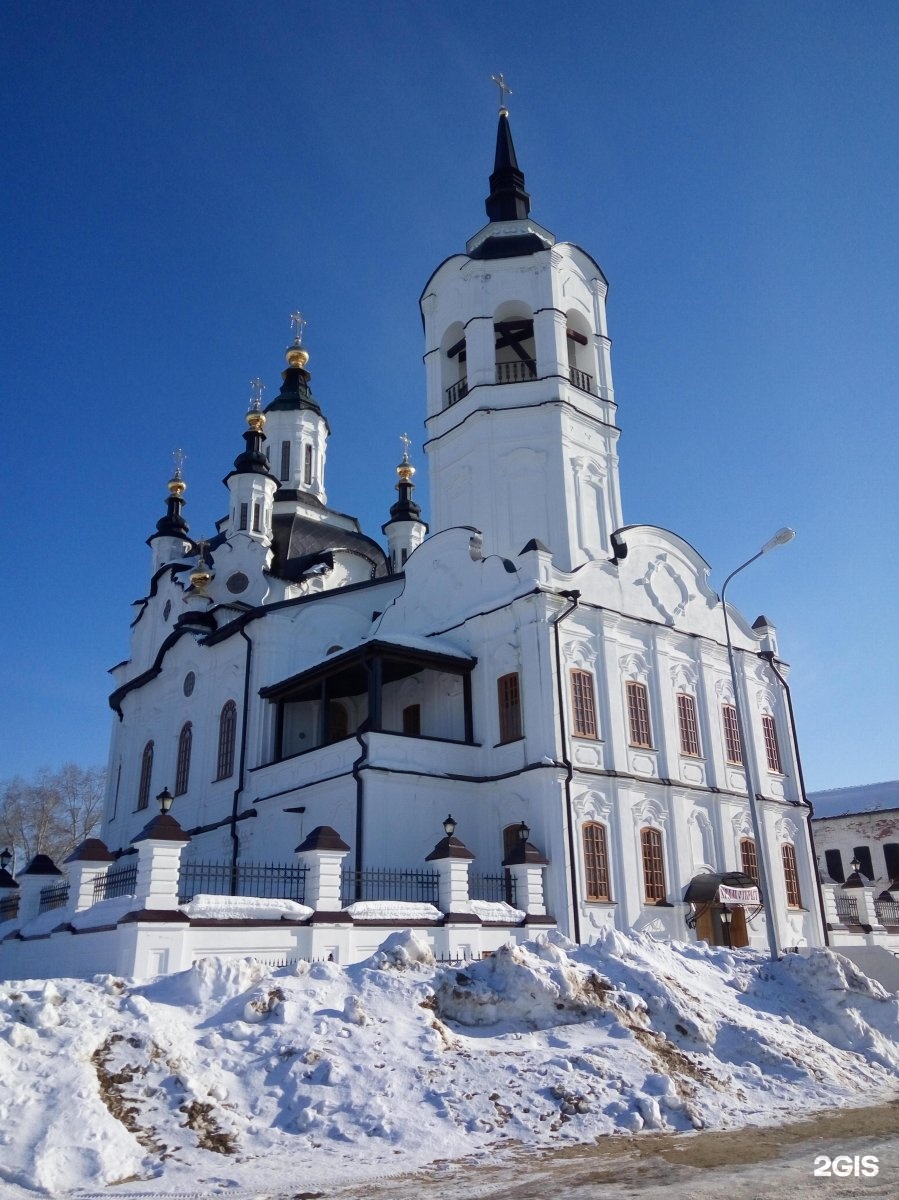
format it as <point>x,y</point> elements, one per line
<point>52,813</point>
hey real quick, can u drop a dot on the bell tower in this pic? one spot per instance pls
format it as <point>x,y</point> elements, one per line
<point>521,434</point>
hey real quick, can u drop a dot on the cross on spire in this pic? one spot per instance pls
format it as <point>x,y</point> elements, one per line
<point>298,323</point>
<point>407,442</point>
<point>257,387</point>
<point>178,457</point>
<point>202,547</point>
<point>504,90</point>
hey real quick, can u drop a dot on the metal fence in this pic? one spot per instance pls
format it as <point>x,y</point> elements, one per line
<point>847,909</point>
<point>493,887</point>
<point>268,881</point>
<point>55,896</point>
<point>9,908</point>
<point>887,911</point>
<point>385,883</point>
<point>118,881</point>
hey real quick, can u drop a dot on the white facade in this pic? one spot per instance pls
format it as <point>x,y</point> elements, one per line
<point>534,660</point>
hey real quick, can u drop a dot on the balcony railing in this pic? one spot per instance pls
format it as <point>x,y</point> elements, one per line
<point>887,911</point>
<point>268,881</point>
<point>385,883</point>
<point>520,371</point>
<point>55,896</point>
<point>457,392</point>
<point>581,379</point>
<point>847,909</point>
<point>118,881</point>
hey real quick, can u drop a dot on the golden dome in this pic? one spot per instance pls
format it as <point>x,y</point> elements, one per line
<point>177,487</point>
<point>297,356</point>
<point>405,471</point>
<point>256,420</point>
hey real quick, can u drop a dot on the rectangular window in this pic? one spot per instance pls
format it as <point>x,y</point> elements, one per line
<point>583,705</point>
<point>596,862</point>
<point>749,863</point>
<point>772,750</point>
<point>687,724</point>
<point>256,518</point>
<point>791,876</point>
<point>865,865</point>
<point>653,866</point>
<point>244,512</point>
<point>412,720</point>
<point>891,859</point>
<point>834,860</point>
<point>509,700</point>
<point>285,460</point>
<point>307,465</point>
<point>638,714</point>
<point>732,749</point>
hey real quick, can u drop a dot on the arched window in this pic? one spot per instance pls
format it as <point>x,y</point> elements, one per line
<point>508,693</point>
<point>791,876</point>
<point>653,866</point>
<point>772,749</point>
<point>455,365</point>
<point>749,863</point>
<point>687,724</point>
<point>516,355</point>
<point>733,749</point>
<point>596,862</point>
<point>583,704</point>
<point>227,733</point>
<point>182,771</point>
<point>639,729</point>
<point>146,772</point>
<point>581,360</point>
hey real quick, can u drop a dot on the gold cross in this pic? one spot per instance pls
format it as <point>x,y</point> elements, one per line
<point>178,457</point>
<point>407,442</point>
<point>257,387</point>
<point>504,89</point>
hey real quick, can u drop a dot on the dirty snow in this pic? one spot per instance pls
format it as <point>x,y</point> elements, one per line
<point>233,1076</point>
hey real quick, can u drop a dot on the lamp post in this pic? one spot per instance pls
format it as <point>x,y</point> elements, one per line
<point>726,917</point>
<point>753,784</point>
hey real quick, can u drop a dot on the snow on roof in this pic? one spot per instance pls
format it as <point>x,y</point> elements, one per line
<point>393,910</point>
<point>247,908</point>
<point>863,798</point>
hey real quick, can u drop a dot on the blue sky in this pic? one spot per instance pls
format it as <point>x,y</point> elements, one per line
<point>180,176</point>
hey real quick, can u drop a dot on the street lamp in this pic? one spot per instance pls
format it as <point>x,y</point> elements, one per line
<point>164,800</point>
<point>5,859</point>
<point>449,826</point>
<point>753,784</point>
<point>726,917</point>
<point>524,832</point>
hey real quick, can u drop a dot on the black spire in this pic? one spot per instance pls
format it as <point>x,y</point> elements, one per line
<point>253,461</point>
<point>173,523</point>
<point>405,508</point>
<point>508,201</point>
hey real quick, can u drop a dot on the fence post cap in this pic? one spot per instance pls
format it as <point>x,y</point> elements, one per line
<point>91,850</point>
<point>42,864</point>
<point>323,837</point>
<point>163,828</point>
<point>450,847</point>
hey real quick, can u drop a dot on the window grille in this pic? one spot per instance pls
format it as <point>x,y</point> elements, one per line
<point>583,704</point>
<point>307,465</point>
<point>509,699</point>
<point>653,866</point>
<point>227,733</point>
<point>596,862</point>
<point>772,749</point>
<point>732,747</point>
<point>146,772</point>
<point>749,863</point>
<point>285,460</point>
<point>687,725</point>
<point>182,773</point>
<point>638,714</point>
<point>791,876</point>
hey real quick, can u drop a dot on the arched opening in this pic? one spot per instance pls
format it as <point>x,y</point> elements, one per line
<point>581,358</point>
<point>454,361</point>
<point>182,773</point>
<point>227,732</point>
<point>338,722</point>
<point>516,352</point>
<point>146,772</point>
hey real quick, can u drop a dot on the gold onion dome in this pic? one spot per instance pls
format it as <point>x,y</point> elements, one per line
<point>256,420</point>
<point>297,355</point>
<point>405,471</point>
<point>176,486</point>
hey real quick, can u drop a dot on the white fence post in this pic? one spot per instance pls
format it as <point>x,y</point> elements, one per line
<point>86,864</point>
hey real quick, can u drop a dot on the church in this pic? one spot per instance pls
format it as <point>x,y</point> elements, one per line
<point>508,670</point>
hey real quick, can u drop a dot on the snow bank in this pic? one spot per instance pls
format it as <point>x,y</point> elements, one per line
<point>232,1075</point>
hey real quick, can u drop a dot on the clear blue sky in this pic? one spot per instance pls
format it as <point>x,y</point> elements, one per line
<point>179,176</point>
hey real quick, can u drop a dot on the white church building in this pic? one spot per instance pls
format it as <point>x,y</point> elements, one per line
<point>524,661</point>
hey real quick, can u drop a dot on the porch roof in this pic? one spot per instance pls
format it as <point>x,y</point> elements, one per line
<point>703,889</point>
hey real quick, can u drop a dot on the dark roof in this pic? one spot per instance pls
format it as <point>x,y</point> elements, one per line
<point>295,393</point>
<point>508,201</point>
<point>91,850</point>
<point>323,837</point>
<point>300,544</point>
<point>450,847</point>
<point>703,889</point>
<point>852,801</point>
<point>42,864</point>
<point>163,828</point>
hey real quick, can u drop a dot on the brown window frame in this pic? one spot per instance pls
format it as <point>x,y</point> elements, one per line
<point>182,769</point>
<point>508,696</point>
<point>596,862</point>
<point>688,725</point>
<point>583,704</point>
<point>772,746</point>
<point>791,875</point>
<point>733,746</point>
<point>227,739</point>
<point>639,723</point>
<point>146,775</point>
<point>652,849</point>
<point>749,858</point>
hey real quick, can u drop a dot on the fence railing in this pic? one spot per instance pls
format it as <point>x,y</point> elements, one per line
<point>9,908</point>
<point>55,896</point>
<point>847,909</point>
<point>520,371</point>
<point>581,379</point>
<point>458,391</point>
<point>267,881</point>
<point>385,883</point>
<point>499,887</point>
<point>118,881</point>
<point>887,911</point>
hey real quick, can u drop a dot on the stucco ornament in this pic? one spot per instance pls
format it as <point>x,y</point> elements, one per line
<point>665,588</point>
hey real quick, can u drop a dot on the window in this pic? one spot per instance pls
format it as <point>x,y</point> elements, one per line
<point>865,865</point>
<point>256,515</point>
<point>146,771</point>
<point>307,465</point>
<point>182,772</point>
<point>412,720</point>
<point>687,724</point>
<point>891,859</point>
<point>338,722</point>
<point>749,863</point>
<point>772,750</point>
<point>596,862</point>
<point>509,699</point>
<point>834,860</point>
<point>285,460</point>
<point>244,512</point>
<point>583,704</point>
<point>732,749</point>
<point>653,866</point>
<point>791,876</point>
<point>227,731</point>
<point>638,714</point>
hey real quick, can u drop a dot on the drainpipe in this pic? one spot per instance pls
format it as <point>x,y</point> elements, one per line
<point>360,806</point>
<point>573,597</point>
<point>235,840</point>
<point>768,656</point>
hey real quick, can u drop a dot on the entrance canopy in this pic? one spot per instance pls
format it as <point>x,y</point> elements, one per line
<point>732,887</point>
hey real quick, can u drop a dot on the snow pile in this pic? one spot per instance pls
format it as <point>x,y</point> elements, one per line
<point>232,1076</point>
